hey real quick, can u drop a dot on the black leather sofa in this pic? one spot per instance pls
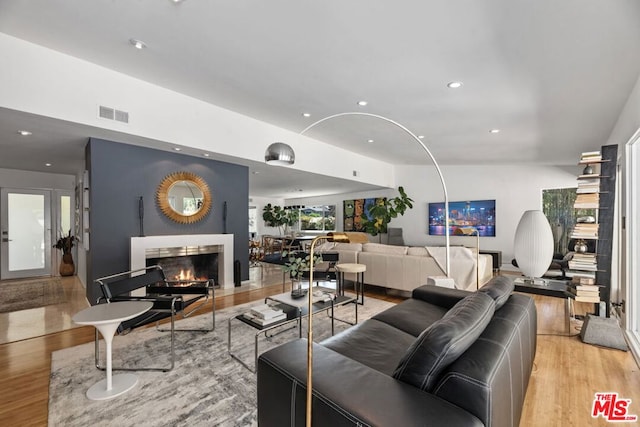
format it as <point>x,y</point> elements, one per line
<point>444,357</point>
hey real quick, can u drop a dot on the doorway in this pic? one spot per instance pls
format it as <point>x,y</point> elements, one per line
<point>631,291</point>
<point>25,230</point>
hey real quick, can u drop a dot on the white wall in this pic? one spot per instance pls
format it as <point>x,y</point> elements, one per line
<point>515,189</point>
<point>48,83</point>
<point>12,178</point>
<point>629,120</point>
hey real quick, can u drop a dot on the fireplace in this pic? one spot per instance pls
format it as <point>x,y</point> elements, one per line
<point>186,263</point>
<point>188,251</point>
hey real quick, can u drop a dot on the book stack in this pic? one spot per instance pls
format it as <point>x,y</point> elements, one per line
<point>587,200</point>
<point>585,230</point>
<point>586,289</point>
<point>588,186</point>
<point>265,314</point>
<point>590,157</point>
<point>583,261</point>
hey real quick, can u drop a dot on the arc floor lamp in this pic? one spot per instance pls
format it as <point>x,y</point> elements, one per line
<point>282,154</point>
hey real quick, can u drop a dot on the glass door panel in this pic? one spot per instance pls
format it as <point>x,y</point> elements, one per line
<point>26,233</point>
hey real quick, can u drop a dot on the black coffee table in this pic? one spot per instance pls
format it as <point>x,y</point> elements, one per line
<point>550,288</point>
<point>296,310</point>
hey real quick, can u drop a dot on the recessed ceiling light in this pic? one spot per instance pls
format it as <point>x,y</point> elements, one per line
<point>454,85</point>
<point>494,131</point>
<point>362,103</point>
<point>206,154</point>
<point>47,164</point>
<point>369,140</point>
<point>138,44</point>
<point>255,172</point>
<point>24,132</point>
<point>306,114</point>
<point>421,136</point>
<point>177,149</point>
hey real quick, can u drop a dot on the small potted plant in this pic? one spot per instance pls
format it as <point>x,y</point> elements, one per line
<point>65,243</point>
<point>296,265</point>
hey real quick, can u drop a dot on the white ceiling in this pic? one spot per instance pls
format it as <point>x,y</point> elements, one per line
<point>552,75</point>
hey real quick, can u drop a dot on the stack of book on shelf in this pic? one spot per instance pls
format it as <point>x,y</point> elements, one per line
<point>590,157</point>
<point>586,289</point>
<point>583,261</point>
<point>585,230</point>
<point>588,185</point>
<point>265,314</point>
<point>587,200</point>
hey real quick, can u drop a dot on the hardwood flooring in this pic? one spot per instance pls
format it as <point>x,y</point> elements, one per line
<point>566,374</point>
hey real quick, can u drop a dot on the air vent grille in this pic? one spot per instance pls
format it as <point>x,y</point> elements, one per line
<point>106,112</point>
<point>113,114</point>
<point>122,116</point>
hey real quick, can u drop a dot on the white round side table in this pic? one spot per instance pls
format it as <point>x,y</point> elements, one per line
<point>358,270</point>
<point>106,318</point>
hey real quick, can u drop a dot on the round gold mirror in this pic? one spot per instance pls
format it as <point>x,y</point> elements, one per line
<point>184,197</point>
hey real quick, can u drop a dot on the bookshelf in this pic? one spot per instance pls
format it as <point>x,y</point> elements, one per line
<point>596,190</point>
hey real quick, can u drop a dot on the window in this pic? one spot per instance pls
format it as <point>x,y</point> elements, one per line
<point>317,218</point>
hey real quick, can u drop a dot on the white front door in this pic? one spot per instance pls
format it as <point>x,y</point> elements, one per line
<point>25,233</point>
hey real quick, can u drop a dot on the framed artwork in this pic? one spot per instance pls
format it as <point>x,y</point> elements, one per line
<point>478,214</point>
<point>353,210</point>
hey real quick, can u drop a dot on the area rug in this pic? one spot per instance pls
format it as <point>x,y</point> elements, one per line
<point>207,386</point>
<point>32,293</point>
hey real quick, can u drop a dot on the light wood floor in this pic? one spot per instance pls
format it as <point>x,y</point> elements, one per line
<point>566,374</point>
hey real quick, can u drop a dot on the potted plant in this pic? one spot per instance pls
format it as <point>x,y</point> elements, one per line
<point>297,264</point>
<point>276,216</point>
<point>384,210</point>
<point>65,243</point>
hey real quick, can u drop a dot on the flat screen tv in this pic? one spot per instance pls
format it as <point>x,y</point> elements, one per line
<point>478,214</point>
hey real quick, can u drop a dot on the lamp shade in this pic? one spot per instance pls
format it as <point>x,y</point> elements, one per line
<point>279,153</point>
<point>533,244</point>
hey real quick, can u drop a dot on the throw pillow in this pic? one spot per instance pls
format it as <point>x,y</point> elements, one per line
<point>444,341</point>
<point>499,288</point>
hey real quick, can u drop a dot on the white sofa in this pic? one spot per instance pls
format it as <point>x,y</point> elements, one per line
<point>406,268</point>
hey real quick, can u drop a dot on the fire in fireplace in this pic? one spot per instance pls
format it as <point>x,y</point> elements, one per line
<point>184,264</point>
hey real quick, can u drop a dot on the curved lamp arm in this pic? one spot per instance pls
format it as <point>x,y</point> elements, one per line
<point>424,147</point>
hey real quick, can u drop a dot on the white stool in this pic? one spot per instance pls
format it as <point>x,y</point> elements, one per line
<point>442,281</point>
<point>358,270</point>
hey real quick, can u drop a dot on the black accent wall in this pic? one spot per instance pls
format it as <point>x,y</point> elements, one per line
<point>119,174</point>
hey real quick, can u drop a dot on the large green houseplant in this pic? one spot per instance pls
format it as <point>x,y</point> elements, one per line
<point>384,210</point>
<point>277,216</point>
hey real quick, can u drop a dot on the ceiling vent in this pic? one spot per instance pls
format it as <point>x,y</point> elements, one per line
<point>113,114</point>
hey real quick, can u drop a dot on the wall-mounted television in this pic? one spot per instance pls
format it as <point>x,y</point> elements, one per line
<point>478,214</point>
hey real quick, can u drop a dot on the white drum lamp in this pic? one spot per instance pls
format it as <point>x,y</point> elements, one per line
<point>533,245</point>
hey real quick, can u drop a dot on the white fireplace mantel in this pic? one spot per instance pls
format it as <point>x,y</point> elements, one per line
<point>139,246</point>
